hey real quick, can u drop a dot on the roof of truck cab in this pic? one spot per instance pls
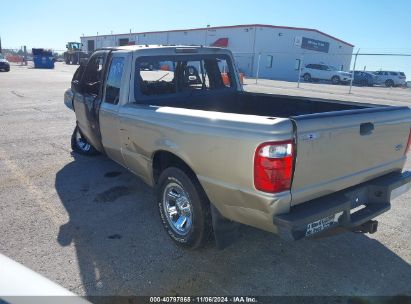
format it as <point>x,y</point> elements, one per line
<point>139,47</point>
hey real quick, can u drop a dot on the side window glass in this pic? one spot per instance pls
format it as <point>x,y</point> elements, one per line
<point>113,82</point>
<point>92,75</point>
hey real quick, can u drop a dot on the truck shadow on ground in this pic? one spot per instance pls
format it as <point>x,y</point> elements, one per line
<point>123,250</point>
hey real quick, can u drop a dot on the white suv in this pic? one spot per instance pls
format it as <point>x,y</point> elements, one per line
<point>390,79</point>
<point>324,72</point>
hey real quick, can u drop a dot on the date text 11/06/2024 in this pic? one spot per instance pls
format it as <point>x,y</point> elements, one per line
<point>176,299</point>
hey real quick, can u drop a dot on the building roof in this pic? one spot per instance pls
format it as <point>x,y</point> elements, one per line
<point>234,26</point>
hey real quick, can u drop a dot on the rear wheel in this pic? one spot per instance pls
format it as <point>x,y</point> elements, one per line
<point>335,80</point>
<point>389,83</point>
<point>184,209</point>
<point>307,77</point>
<point>74,59</point>
<point>80,145</point>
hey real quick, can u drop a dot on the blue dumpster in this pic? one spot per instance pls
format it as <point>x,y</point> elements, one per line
<point>43,59</point>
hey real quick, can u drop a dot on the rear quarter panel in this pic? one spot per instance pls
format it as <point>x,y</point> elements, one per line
<point>218,147</point>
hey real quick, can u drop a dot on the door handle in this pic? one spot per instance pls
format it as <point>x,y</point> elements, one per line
<point>366,128</point>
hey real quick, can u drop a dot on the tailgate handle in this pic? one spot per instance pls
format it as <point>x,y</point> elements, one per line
<point>366,128</point>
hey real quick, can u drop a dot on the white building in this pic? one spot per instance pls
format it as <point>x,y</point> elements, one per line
<point>275,51</point>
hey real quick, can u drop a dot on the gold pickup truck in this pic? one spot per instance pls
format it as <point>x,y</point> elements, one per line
<point>177,117</point>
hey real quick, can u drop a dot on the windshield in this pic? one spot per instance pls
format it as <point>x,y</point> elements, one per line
<point>333,68</point>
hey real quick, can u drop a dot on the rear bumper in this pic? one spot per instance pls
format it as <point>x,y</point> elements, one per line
<point>330,212</point>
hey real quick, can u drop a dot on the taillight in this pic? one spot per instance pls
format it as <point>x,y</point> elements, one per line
<point>408,143</point>
<point>273,166</point>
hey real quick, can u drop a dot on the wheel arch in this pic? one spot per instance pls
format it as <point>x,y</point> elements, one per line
<point>163,159</point>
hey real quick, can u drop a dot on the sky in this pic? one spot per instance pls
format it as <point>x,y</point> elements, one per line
<point>372,26</point>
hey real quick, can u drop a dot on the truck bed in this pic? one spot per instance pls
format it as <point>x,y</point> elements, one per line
<point>339,144</point>
<point>281,106</point>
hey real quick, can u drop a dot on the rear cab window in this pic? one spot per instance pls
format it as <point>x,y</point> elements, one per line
<point>162,76</point>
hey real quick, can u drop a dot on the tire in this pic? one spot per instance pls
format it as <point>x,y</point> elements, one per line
<point>74,59</point>
<point>307,77</point>
<point>335,80</point>
<point>7,69</point>
<point>188,221</point>
<point>389,83</point>
<point>80,145</point>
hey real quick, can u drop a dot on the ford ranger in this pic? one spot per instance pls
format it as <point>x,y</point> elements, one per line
<point>219,156</point>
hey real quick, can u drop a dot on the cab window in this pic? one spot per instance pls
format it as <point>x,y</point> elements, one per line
<point>113,82</point>
<point>92,75</point>
<point>157,76</point>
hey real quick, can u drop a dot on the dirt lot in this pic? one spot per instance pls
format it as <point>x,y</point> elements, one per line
<point>91,226</point>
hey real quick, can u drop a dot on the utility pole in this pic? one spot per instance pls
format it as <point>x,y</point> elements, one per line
<point>1,51</point>
<point>353,70</point>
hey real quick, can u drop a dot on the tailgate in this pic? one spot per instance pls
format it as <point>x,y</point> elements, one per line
<point>337,150</point>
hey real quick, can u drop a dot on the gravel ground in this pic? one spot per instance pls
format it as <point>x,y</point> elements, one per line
<point>91,226</point>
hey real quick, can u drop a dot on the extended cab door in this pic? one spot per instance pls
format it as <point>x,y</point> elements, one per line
<point>88,97</point>
<point>115,94</point>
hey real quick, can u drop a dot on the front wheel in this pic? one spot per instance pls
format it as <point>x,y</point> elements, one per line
<point>80,145</point>
<point>184,209</point>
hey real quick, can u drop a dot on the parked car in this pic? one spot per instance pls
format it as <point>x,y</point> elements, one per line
<point>4,64</point>
<point>390,78</point>
<point>218,155</point>
<point>363,78</point>
<point>324,72</point>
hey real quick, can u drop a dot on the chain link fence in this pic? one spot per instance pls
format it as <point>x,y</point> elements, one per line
<point>322,70</point>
